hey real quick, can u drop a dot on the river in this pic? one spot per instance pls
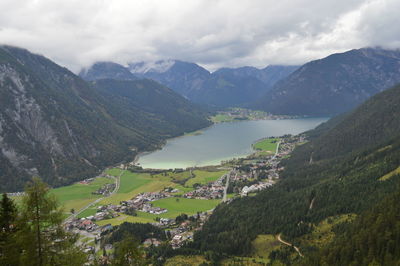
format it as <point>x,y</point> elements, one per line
<point>222,141</point>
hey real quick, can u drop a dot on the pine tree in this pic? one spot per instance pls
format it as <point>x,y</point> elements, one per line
<point>41,236</point>
<point>127,252</point>
<point>8,247</point>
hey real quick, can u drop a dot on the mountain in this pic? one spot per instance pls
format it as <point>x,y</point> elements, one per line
<point>182,77</point>
<point>334,84</point>
<point>56,125</point>
<point>350,164</point>
<point>239,86</point>
<point>269,75</point>
<point>107,70</point>
<point>169,112</point>
<point>223,88</point>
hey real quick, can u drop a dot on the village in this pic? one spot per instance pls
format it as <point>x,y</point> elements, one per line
<point>246,177</point>
<point>238,114</point>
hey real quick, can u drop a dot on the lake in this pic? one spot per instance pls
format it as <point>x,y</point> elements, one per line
<point>221,142</point>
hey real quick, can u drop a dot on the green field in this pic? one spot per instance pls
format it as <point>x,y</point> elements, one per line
<point>133,184</point>
<point>174,207</point>
<point>266,145</point>
<point>180,176</point>
<point>87,212</point>
<point>177,206</point>
<point>77,196</point>
<point>204,177</point>
<point>113,171</point>
<point>219,118</point>
<point>185,261</point>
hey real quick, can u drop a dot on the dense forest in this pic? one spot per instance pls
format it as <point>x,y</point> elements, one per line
<point>347,181</point>
<point>372,239</point>
<point>138,230</point>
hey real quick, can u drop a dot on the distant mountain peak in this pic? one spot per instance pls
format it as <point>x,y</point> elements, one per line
<point>159,66</point>
<point>106,69</point>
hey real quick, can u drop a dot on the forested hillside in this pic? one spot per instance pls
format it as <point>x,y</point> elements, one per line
<point>56,125</point>
<point>372,239</point>
<point>171,114</point>
<point>346,180</point>
<point>335,84</point>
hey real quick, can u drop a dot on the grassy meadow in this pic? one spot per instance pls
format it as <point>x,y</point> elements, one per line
<point>77,196</point>
<point>266,145</point>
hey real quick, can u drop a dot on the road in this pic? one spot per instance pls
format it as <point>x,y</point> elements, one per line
<point>224,198</point>
<point>277,150</point>
<point>290,245</point>
<point>117,184</point>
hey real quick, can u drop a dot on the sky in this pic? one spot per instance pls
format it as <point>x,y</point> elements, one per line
<point>212,33</point>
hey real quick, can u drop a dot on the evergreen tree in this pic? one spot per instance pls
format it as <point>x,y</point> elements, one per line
<point>8,247</point>
<point>41,236</point>
<point>127,252</point>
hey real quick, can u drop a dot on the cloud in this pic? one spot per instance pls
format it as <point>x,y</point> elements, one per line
<point>213,33</point>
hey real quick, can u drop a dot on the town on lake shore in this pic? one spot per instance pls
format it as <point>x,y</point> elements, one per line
<point>178,201</point>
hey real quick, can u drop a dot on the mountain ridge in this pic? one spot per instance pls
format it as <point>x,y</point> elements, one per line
<point>225,87</point>
<point>334,84</point>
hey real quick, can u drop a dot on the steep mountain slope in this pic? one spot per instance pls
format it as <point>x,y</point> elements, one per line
<point>334,84</point>
<point>170,112</point>
<point>54,124</point>
<point>344,178</point>
<point>223,88</point>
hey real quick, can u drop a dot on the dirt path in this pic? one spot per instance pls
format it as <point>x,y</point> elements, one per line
<point>311,204</point>
<point>225,197</point>
<point>288,244</point>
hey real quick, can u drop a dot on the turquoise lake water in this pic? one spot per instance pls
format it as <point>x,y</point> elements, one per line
<point>222,142</point>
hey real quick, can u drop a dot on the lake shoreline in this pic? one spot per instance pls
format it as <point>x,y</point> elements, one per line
<point>199,150</point>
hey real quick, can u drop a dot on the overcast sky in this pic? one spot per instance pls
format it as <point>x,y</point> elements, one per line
<point>213,33</point>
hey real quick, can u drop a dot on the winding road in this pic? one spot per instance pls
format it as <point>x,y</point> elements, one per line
<point>288,244</point>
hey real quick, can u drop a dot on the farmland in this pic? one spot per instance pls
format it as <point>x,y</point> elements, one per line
<point>78,195</point>
<point>266,145</point>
